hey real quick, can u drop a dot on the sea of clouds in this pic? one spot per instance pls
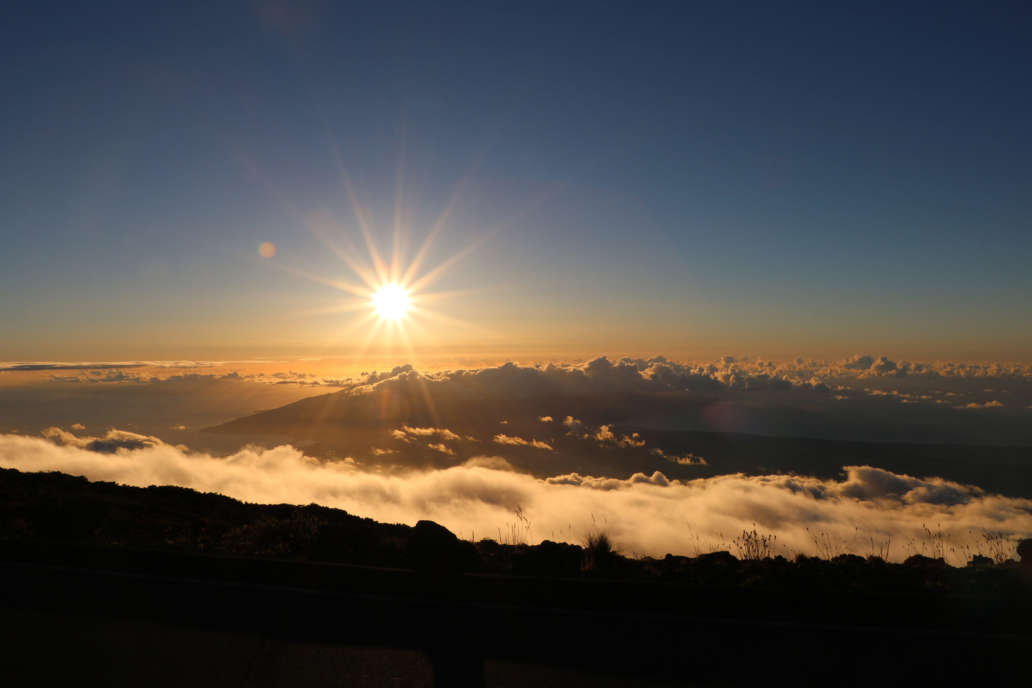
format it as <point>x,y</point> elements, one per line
<point>867,510</point>
<point>861,397</point>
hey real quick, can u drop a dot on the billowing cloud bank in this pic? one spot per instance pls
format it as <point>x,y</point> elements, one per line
<point>869,511</point>
<point>862,398</point>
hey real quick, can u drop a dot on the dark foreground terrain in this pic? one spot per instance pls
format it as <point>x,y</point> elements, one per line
<point>167,586</point>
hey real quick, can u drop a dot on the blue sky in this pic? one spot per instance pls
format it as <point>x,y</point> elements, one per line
<point>730,177</point>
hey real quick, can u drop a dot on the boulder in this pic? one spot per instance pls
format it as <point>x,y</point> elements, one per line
<point>715,567</point>
<point>434,549</point>
<point>549,559</point>
<point>1025,551</point>
<point>980,560</point>
<point>849,560</point>
<point>923,563</point>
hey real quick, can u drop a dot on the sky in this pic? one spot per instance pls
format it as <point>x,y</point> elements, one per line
<point>727,178</point>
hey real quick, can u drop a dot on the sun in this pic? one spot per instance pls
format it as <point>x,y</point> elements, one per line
<point>390,296</point>
<point>391,301</point>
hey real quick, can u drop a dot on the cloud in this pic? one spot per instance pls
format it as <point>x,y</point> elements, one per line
<point>987,405</point>
<point>661,400</point>
<point>643,513</point>
<point>520,442</point>
<point>112,442</point>
<point>688,459</point>
<point>496,463</point>
<point>78,426</point>
<point>661,379</point>
<point>605,435</point>
<point>597,483</point>
<point>66,379</point>
<point>858,362</point>
<point>865,398</point>
<point>545,419</point>
<point>23,367</point>
<point>441,447</point>
<point>407,433</point>
<point>573,424</point>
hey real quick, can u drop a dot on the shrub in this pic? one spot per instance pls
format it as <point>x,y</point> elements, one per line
<point>752,544</point>
<point>598,552</point>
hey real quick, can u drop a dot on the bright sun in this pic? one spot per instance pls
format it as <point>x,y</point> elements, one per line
<point>391,302</point>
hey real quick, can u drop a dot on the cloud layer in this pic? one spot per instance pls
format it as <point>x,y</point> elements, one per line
<point>866,511</point>
<point>860,398</point>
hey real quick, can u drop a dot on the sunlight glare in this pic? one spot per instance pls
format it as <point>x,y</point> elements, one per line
<point>391,302</point>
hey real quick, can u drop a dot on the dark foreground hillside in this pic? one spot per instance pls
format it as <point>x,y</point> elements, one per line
<point>82,555</point>
<point>54,511</point>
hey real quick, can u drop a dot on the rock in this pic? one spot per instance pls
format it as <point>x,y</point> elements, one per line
<point>715,567</point>
<point>919,561</point>
<point>673,566</point>
<point>722,558</point>
<point>549,559</point>
<point>493,556</point>
<point>980,560</point>
<point>1025,551</point>
<point>853,560</point>
<point>434,549</point>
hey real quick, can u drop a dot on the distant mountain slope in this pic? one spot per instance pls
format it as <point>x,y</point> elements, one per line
<point>465,423</point>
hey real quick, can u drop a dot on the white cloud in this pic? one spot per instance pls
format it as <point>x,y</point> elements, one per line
<point>987,405</point>
<point>520,442</point>
<point>605,435</point>
<point>407,433</point>
<point>441,447</point>
<point>644,514</point>
<point>688,459</point>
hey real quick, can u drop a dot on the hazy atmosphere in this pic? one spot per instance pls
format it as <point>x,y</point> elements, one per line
<point>864,454</point>
<point>532,272</point>
<point>505,344</point>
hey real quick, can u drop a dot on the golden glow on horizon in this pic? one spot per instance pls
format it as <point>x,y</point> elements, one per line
<point>391,301</point>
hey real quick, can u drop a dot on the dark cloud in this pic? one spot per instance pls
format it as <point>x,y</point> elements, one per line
<point>112,442</point>
<point>68,366</point>
<point>858,362</point>
<point>865,482</point>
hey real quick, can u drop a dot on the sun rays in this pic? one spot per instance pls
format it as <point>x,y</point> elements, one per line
<point>388,303</point>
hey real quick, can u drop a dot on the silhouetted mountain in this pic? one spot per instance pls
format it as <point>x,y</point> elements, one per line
<point>366,427</point>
